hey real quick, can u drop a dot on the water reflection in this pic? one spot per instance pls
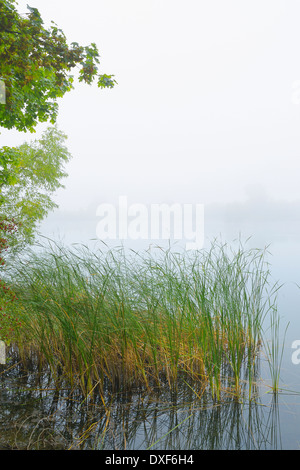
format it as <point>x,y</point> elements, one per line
<point>35,415</point>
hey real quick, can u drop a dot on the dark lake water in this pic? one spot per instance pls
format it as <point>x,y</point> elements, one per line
<point>164,420</point>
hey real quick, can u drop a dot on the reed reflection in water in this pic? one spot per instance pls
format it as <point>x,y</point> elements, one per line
<point>37,415</point>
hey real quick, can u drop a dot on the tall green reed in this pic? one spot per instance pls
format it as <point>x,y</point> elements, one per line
<point>144,318</point>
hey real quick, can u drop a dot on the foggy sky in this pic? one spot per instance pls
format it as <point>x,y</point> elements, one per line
<point>206,110</point>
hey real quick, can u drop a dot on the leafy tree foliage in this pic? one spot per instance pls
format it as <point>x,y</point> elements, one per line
<point>35,71</point>
<point>36,65</point>
<point>9,322</point>
<point>35,173</point>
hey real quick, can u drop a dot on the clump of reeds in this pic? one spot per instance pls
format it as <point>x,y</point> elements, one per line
<point>143,318</point>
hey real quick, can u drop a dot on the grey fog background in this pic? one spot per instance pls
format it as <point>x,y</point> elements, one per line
<point>206,110</point>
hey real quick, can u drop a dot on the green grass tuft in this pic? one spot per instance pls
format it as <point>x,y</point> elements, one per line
<point>144,318</point>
